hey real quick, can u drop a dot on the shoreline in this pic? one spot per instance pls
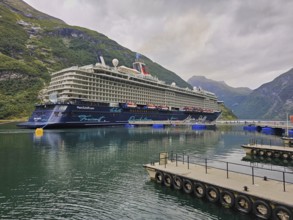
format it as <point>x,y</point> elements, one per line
<point>7,121</point>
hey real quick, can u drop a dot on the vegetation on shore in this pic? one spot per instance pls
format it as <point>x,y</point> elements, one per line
<point>227,114</point>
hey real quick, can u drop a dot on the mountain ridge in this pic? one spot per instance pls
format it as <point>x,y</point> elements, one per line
<point>272,100</point>
<point>230,95</point>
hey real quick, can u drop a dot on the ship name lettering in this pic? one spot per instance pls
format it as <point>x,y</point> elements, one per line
<point>90,118</point>
<point>115,110</point>
<point>85,107</point>
<point>133,118</point>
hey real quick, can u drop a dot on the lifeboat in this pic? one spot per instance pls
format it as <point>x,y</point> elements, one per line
<point>186,108</point>
<point>129,105</point>
<point>164,107</point>
<point>208,110</point>
<point>150,106</point>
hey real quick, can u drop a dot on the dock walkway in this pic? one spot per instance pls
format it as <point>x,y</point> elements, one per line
<point>246,192</point>
<point>269,151</point>
<point>170,122</point>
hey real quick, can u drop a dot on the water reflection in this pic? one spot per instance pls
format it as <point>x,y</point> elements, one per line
<point>259,161</point>
<point>98,173</point>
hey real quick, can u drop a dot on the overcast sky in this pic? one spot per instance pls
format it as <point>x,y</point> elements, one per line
<point>244,43</point>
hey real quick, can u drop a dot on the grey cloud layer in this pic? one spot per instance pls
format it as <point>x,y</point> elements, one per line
<point>245,43</point>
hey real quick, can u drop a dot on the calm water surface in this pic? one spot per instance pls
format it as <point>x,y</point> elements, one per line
<point>98,173</point>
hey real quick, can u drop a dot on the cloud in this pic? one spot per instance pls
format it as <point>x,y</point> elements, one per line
<point>245,43</point>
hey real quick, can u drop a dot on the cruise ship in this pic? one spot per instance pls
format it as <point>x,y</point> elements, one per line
<point>100,95</point>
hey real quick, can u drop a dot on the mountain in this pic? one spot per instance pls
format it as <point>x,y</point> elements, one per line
<point>33,44</point>
<point>272,100</point>
<point>231,96</point>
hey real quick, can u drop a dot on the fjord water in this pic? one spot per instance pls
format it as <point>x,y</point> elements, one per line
<point>98,173</point>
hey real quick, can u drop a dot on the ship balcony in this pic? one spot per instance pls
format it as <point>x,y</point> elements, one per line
<point>76,81</point>
<point>55,88</point>
<point>71,87</point>
<point>76,77</point>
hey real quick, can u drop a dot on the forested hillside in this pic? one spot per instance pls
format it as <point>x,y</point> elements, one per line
<point>33,44</point>
<point>232,97</point>
<point>273,100</point>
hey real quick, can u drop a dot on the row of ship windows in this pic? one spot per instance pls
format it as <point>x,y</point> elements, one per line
<point>85,79</point>
<point>144,93</point>
<point>99,82</point>
<point>103,86</point>
<point>92,77</point>
<point>120,94</point>
<point>134,95</point>
<point>114,90</point>
<point>155,101</point>
<point>211,105</point>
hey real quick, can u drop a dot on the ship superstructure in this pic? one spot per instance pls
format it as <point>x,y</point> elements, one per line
<point>101,83</point>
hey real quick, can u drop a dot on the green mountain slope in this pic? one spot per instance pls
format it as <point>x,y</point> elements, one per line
<point>272,100</point>
<point>33,44</point>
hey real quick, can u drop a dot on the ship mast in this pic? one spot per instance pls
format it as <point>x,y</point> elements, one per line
<point>287,133</point>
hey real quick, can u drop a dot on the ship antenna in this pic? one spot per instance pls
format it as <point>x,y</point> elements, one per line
<point>287,125</point>
<point>137,55</point>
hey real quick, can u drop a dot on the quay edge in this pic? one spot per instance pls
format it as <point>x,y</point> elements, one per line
<point>264,197</point>
<point>285,153</point>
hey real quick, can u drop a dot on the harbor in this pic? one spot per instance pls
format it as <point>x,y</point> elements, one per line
<point>264,196</point>
<point>85,173</point>
<point>146,110</point>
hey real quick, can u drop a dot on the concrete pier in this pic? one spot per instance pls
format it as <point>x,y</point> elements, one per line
<point>264,196</point>
<point>269,151</point>
<point>170,123</point>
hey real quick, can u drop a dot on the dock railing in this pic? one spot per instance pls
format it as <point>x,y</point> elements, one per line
<point>286,177</point>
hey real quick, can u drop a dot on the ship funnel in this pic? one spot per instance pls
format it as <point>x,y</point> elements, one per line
<point>140,67</point>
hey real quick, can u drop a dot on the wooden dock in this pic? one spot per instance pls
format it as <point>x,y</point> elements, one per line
<point>264,196</point>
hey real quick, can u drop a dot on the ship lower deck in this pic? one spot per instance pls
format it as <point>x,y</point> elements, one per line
<point>264,196</point>
<point>63,116</point>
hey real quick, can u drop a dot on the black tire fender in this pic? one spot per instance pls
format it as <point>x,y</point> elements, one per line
<point>269,153</point>
<point>262,209</point>
<point>199,190</point>
<point>187,186</point>
<point>168,180</point>
<point>285,155</point>
<point>243,204</point>
<point>212,194</point>
<point>159,177</point>
<point>177,183</point>
<point>261,153</point>
<point>227,199</point>
<point>276,154</point>
<point>281,212</point>
<point>255,152</point>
